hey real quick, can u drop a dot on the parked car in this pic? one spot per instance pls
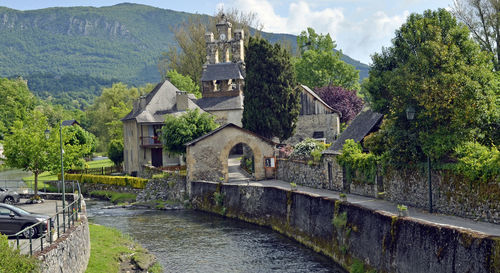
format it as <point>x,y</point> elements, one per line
<point>8,197</point>
<point>14,219</point>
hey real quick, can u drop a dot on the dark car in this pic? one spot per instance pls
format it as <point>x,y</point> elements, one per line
<point>8,197</point>
<point>14,219</point>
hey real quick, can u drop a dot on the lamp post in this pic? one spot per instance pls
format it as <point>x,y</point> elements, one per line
<point>410,114</point>
<point>47,135</point>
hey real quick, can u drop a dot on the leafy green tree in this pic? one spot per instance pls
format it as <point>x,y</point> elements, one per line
<point>103,117</point>
<point>179,130</point>
<point>482,17</point>
<point>320,65</point>
<point>15,103</point>
<point>115,151</point>
<point>77,144</point>
<point>26,147</point>
<point>183,83</point>
<point>189,54</point>
<point>436,68</point>
<point>272,101</point>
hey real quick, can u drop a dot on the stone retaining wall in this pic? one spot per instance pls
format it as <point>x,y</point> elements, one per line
<point>381,241</point>
<point>451,194</point>
<point>171,188</point>
<point>70,252</point>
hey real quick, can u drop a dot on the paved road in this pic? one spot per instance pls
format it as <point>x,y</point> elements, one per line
<point>48,208</point>
<point>388,207</point>
<point>236,174</point>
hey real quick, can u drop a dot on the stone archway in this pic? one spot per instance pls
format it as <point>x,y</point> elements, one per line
<point>207,156</point>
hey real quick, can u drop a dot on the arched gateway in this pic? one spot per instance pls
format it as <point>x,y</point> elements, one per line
<point>207,156</point>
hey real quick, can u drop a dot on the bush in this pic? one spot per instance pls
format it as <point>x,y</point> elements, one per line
<point>115,197</point>
<point>125,181</point>
<point>357,162</point>
<point>309,147</point>
<point>115,151</point>
<point>13,261</point>
<point>478,162</point>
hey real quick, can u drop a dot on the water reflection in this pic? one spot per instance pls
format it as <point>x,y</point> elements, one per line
<point>191,241</point>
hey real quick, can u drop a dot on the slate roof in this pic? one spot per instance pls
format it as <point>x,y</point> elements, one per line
<point>69,122</point>
<point>229,125</point>
<point>364,123</point>
<point>222,71</point>
<point>160,101</point>
<point>220,103</point>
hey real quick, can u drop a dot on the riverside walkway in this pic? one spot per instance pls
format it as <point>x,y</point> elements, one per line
<point>385,206</point>
<point>236,177</point>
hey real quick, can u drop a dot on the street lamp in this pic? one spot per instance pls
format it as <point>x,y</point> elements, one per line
<point>410,114</point>
<point>47,135</point>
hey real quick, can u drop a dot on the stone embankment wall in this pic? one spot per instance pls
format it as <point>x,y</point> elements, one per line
<point>70,252</point>
<point>169,188</point>
<point>451,194</point>
<point>348,233</point>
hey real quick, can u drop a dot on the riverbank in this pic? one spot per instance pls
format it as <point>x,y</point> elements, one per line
<point>112,251</point>
<point>351,233</point>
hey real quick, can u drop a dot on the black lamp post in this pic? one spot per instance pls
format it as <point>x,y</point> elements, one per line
<point>410,115</point>
<point>47,135</point>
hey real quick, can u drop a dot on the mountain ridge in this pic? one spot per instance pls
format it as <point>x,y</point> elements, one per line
<point>122,42</point>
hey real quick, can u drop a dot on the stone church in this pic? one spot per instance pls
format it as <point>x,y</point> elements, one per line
<point>222,84</point>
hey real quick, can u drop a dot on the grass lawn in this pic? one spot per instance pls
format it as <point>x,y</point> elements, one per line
<point>108,245</point>
<point>47,176</point>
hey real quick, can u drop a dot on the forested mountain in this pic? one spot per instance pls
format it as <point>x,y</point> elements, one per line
<point>57,48</point>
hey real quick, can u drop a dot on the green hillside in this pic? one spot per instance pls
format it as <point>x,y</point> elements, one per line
<point>121,42</point>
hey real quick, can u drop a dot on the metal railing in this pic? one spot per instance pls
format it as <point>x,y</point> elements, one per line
<point>69,215</point>
<point>15,185</point>
<point>98,171</point>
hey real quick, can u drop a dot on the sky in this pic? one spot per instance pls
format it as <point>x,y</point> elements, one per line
<point>359,27</point>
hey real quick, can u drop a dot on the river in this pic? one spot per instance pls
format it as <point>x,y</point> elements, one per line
<point>193,241</point>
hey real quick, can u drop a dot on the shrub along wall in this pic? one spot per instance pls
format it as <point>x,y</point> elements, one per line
<point>123,181</point>
<point>352,234</point>
<point>452,194</point>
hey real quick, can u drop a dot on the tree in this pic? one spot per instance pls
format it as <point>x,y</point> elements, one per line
<point>482,17</point>
<point>434,67</point>
<point>26,147</point>
<point>179,130</point>
<point>340,99</point>
<point>183,83</point>
<point>115,151</point>
<point>16,102</point>
<point>319,64</point>
<point>189,55</point>
<point>272,101</point>
<point>103,116</point>
<point>77,144</point>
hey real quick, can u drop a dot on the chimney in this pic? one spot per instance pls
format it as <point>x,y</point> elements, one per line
<point>182,100</point>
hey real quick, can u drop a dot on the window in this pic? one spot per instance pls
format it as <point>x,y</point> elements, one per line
<point>319,134</point>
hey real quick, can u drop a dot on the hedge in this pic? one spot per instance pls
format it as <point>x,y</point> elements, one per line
<point>134,182</point>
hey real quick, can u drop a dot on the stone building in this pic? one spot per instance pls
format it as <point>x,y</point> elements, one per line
<point>141,127</point>
<point>316,119</point>
<point>224,74</point>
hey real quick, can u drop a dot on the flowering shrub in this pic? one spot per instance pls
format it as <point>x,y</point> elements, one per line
<point>286,151</point>
<point>309,147</point>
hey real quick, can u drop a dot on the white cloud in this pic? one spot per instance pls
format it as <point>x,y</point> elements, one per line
<point>361,34</point>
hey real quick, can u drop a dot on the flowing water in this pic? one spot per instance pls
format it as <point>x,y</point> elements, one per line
<point>192,241</point>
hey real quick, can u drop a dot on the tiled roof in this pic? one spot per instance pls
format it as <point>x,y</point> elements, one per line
<point>229,125</point>
<point>220,103</point>
<point>222,71</point>
<point>361,126</point>
<point>69,122</point>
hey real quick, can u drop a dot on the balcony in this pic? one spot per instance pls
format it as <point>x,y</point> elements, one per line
<point>151,142</point>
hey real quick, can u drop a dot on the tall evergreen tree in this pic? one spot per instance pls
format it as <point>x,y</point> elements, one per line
<point>272,101</point>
